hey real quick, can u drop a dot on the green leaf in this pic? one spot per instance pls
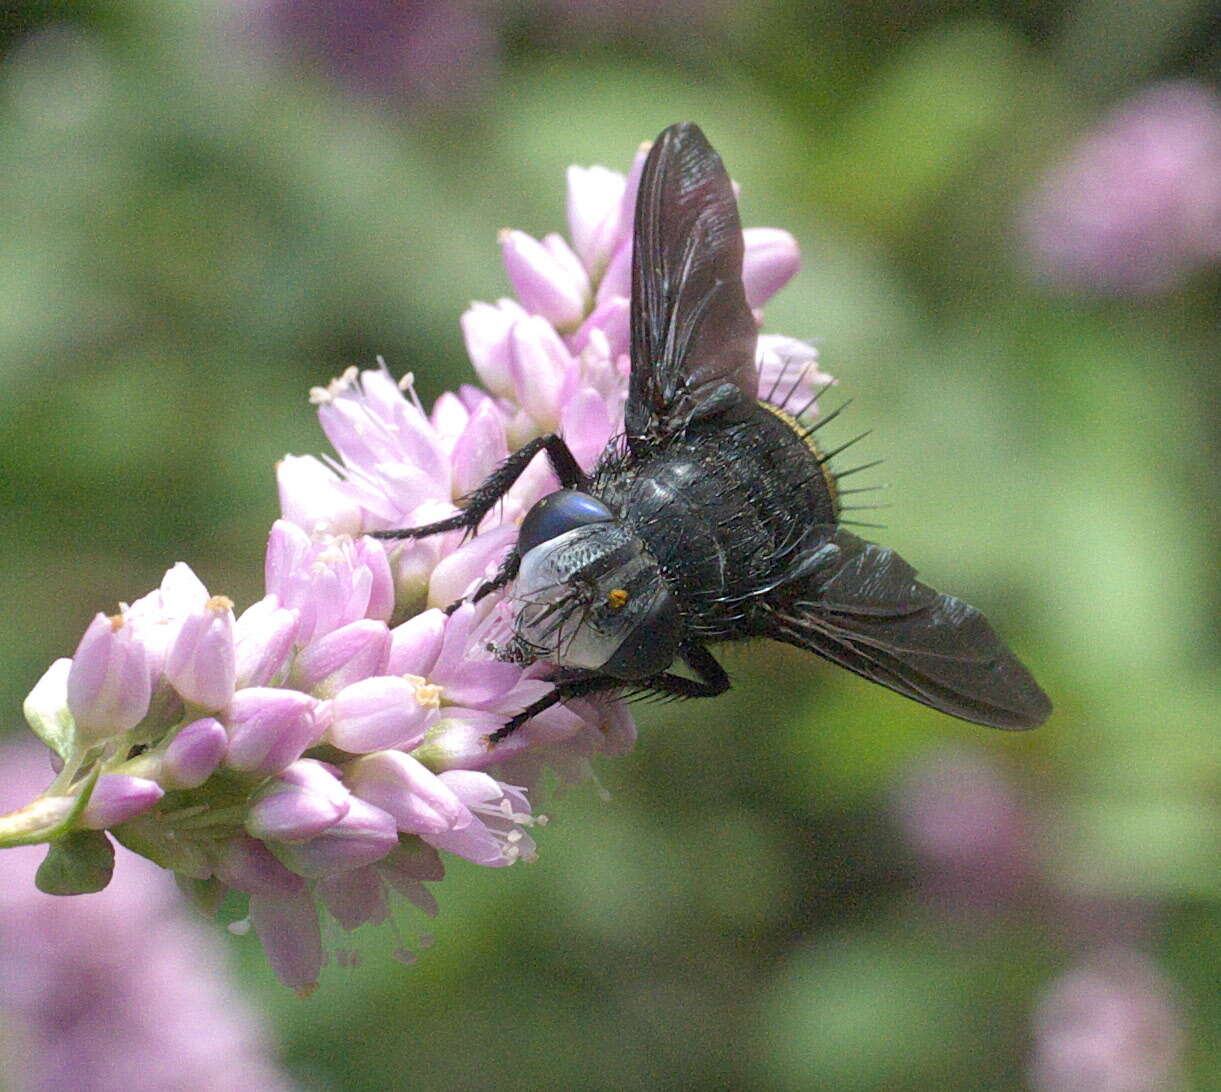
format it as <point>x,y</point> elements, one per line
<point>78,864</point>
<point>46,710</point>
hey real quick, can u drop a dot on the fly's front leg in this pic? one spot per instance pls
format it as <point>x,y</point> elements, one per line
<point>479,503</point>
<point>711,682</point>
<point>570,688</point>
<point>506,573</point>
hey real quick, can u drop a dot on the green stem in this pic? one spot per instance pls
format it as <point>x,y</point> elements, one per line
<point>47,818</point>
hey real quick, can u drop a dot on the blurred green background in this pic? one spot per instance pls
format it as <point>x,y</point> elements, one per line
<point>203,217</point>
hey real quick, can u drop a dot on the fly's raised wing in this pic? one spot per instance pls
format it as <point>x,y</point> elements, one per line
<point>865,610</point>
<point>693,335</point>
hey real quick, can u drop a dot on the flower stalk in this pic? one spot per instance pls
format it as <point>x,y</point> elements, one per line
<point>327,747</point>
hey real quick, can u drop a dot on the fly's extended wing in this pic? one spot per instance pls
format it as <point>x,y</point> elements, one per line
<point>693,335</point>
<point>865,610</point>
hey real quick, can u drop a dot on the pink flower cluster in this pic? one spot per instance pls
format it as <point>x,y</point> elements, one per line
<point>325,746</point>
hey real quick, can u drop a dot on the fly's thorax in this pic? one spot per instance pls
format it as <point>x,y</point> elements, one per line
<point>594,597</point>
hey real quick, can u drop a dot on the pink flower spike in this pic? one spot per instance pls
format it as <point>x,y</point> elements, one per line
<point>314,497</point>
<point>246,864</point>
<point>108,683</point>
<point>595,204</point>
<point>771,260</point>
<point>263,639</point>
<point>385,711</point>
<point>117,798</point>
<point>287,927</point>
<point>485,328</point>
<point>200,664</point>
<point>194,754</point>
<point>415,645</point>
<point>343,656</point>
<point>549,282</point>
<point>354,898</point>
<point>269,728</point>
<point>418,800</point>
<point>540,366</point>
<point>364,835</point>
<point>306,799</point>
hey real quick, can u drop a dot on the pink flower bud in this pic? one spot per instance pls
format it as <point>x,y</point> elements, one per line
<point>117,798</point>
<point>473,561</point>
<point>770,262</point>
<point>287,927</point>
<point>331,580</point>
<point>301,803</point>
<point>246,864</point>
<point>415,644</point>
<point>586,425</point>
<point>354,898</point>
<point>385,711</point>
<point>200,663</point>
<point>343,656</point>
<point>547,277</point>
<point>485,328</point>
<point>611,317</point>
<point>595,196</point>
<point>263,639</point>
<point>480,448</point>
<point>108,683</point>
<point>617,280</point>
<point>314,497</point>
<point>418,800</point>
<point>269,728</point>
<point>540,366</point>
<point>193,754</point>
<point>365,834</point>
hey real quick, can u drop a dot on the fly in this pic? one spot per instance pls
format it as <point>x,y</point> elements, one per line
<point>713,517</point>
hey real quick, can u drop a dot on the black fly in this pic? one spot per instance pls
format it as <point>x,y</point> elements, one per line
<point>714,518</point>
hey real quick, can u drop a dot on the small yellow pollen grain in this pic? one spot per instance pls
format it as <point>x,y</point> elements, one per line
<point>616,598</point>
<point>116,622</point>
<point>305,992</point>
<point>220,602</point>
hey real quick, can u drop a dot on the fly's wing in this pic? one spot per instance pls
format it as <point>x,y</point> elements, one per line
<point>866,611</point>
<point>693,335</point>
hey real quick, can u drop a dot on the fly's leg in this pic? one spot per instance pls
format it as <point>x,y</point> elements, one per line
<point>571,688</point>
<point>507,572</point>
<point>711,682</point>
<point>480,502</point>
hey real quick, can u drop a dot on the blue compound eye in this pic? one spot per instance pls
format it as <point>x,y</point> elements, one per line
<point>557,513</point>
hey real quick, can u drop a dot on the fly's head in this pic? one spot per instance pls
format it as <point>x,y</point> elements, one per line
<point>589,594</point>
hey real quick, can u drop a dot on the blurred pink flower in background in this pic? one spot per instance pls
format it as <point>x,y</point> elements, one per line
<point>122,989</point>
<point>1136,206</point>
<point>1110,1024</point>
<point>415,53</point>
<point>968,829</point>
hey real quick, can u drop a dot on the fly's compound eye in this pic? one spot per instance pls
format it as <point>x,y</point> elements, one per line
<point>558,513</point>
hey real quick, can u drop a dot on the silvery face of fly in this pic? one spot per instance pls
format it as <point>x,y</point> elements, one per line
<point>714,517</point>
<point>593,598</point>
